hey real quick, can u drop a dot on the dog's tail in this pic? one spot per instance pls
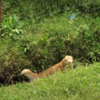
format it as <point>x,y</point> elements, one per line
<point>29,74</point>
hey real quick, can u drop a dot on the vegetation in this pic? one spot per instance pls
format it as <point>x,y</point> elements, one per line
<point>82,83</point>
<point>35,8</point>
<point>38,34</point>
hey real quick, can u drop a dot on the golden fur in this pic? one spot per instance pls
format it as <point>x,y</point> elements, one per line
<point>59,66</point>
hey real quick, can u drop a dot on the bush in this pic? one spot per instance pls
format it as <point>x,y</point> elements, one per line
<point>45,42</point>
<point>48,44</point>
<point>38,9</point>
<point>11,27</point>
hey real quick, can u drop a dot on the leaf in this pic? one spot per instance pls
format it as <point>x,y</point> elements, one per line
<point>16,30</point>
<point>25,49</point>
<point>10,34</point>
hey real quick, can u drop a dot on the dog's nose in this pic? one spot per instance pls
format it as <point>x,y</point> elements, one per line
<point>70,61</point>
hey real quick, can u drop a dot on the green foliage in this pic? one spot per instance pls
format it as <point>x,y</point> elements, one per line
<point>81,83</point>
<point>44,42</point>
<point>84,34</point>
<point>11,26</point>
<point>39,9</point>
<point>89,38</point>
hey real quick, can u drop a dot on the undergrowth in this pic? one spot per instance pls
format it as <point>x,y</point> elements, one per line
<point>42,45</point>
<point>39,43</point>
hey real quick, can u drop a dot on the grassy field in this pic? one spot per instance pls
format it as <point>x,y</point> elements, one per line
<point>82,83</point>
<point>37,43</point>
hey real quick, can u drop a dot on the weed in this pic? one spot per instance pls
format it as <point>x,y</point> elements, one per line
<point>11,27</point>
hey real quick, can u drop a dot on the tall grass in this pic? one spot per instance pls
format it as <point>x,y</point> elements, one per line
<point>38,43</point>
<point>44,44</point>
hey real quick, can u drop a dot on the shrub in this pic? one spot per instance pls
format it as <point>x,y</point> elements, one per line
<point>45,42</point>
<point>11,27</point>
<point>38,9</point>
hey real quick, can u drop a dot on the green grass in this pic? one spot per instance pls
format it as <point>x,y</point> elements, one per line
<point>41,37</point>
<point>82,83</point>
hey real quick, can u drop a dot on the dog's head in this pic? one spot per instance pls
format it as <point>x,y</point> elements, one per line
<point>67,60</point>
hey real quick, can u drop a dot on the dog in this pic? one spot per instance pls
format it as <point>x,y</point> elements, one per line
<point>66,63</point>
